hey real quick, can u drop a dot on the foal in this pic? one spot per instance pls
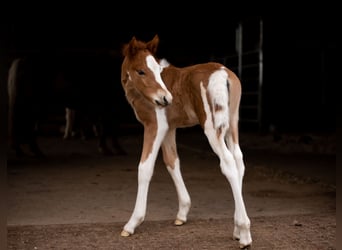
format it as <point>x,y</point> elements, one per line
<point>165,98</point>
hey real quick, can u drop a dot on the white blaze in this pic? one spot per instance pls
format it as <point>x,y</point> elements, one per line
<point>157,69</point>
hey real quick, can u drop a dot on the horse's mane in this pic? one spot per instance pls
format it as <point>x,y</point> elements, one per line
<point>164,63</point>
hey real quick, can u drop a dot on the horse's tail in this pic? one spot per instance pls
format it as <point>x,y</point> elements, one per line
<point>219,98</point>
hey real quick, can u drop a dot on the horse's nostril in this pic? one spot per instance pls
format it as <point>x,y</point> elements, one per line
<point>165,101</point>
<point>162,102</point>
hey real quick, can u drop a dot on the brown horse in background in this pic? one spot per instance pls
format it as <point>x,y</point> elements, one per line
<point>43,85</point>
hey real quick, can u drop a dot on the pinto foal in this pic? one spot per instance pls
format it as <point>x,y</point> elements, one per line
<point>165,98</point>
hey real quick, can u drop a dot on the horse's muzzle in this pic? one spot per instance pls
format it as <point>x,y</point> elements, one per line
<point>163,101</point>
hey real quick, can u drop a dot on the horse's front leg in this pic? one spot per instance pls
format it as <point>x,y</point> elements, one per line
<point>69,123</point>
<point>151,145</point>
<point>171,160</point>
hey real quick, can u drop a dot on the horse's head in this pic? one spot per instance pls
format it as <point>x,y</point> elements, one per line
<point>141,70</point>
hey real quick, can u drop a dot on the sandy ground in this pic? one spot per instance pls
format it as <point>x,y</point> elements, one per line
<point>79,199</point>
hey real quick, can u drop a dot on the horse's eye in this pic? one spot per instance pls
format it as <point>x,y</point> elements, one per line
<point>140,72</point>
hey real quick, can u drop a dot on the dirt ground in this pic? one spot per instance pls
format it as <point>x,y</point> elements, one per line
<point>79,199</point>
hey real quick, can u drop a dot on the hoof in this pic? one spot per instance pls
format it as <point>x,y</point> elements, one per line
<point>242,246</point>
<point>179,222</point>
<point>125,233</point>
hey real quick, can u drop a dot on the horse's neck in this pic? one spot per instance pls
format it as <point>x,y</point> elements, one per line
<point>173,78</point>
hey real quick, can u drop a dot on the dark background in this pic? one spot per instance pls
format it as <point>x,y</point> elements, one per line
<point>300,52</point>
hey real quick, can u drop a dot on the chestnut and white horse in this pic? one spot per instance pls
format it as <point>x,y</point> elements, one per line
<point>164,98</point>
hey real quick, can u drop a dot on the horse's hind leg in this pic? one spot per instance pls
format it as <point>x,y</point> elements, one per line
<point>102,139</point>
<point>173,166</point>
<point>230,171</point>
<point>234,148</point>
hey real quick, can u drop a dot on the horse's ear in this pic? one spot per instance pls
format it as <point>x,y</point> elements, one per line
<point>133,40</point>
<point>129,49</point>
<point>153,44</point>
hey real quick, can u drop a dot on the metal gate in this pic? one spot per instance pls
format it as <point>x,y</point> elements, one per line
<point>247,62</point>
